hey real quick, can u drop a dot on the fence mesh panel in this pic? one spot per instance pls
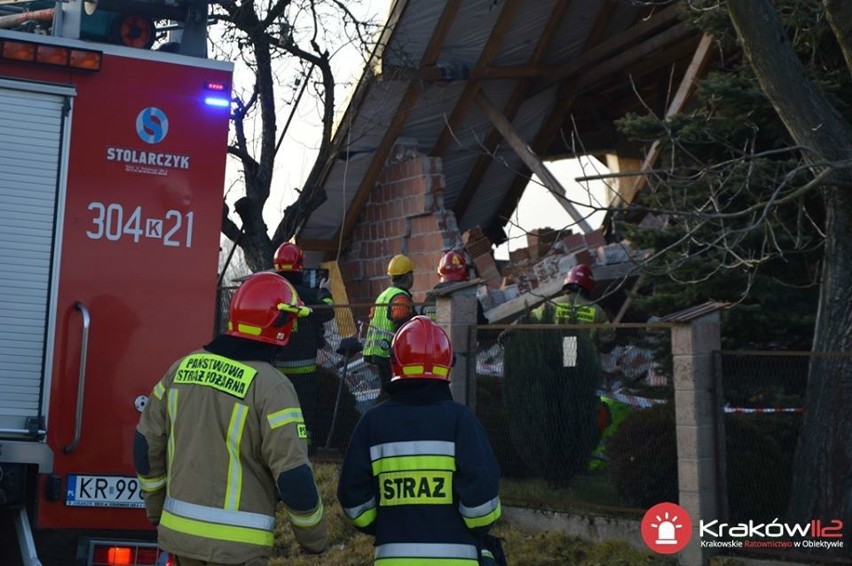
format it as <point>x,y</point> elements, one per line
<point>582,416</point>
<point>551,397</point>
<point>763,397</point>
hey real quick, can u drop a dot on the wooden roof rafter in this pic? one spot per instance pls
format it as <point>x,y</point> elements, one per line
<point>612,47</point>
<point>477,172</point>
<point>468,96</point>
<point>609,57</point>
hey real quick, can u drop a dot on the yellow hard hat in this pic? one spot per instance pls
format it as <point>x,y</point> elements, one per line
<point>400,265</point>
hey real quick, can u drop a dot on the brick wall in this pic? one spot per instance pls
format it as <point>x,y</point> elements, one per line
<point>404,214</point>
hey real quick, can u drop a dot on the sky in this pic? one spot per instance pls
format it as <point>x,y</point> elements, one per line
<point>537,208</point>
<point>300,145</point>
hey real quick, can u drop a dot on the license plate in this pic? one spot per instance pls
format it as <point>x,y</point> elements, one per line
<point>103,491</point>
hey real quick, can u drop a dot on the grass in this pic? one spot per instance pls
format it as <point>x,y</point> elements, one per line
<point>350,548</point>
<point>588,492</point>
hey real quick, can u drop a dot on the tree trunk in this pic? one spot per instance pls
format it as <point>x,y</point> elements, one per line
<point>839,14</point>
<point>822,471</point>
<point>822,482</point>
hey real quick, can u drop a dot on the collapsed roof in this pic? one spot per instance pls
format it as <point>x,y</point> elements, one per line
<point>486,84</point>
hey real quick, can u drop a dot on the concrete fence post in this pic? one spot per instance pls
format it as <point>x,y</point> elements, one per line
<point>699,427</point>
<point>456,313</point>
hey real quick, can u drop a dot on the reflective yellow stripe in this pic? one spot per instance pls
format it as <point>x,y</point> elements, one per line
<point>216,532</point>
<point>415,463</point>
<point>234,488</point>
<point>159,390</point>
<point>306,521</point>
<point>297,367</point>
<point>419,369</point>
<point>301,370</point>
<point>152,484</point>
<point>483,520</point>
<point>250,330</point>
<point>284,417</point>
<point>170,452</point>
<point>365,518</point>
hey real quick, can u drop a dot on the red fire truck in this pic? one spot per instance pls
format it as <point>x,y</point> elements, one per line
<point>112,165</point>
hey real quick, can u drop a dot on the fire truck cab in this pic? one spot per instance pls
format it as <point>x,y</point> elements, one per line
<point>113,142</point>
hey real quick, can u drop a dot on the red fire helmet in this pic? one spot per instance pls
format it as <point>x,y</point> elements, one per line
<point>580,275</point>
<point>265,308</point>
<point>289,257</point>
<point>421,350</point>
<point>453,267</point>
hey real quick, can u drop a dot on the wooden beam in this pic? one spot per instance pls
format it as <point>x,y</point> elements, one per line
<point>681,97</point>
<point>398,121</point>
<point>636,53</point>
<point>477,172</point>
<point>531,160</point>
<point>489,52</point>
<point>601,21</point>
<point>618,44</point>
<point>439,73</point>
<point>509,311</point>
<point>513,195</point>
<point>592,50</point>
<point>553,123</point>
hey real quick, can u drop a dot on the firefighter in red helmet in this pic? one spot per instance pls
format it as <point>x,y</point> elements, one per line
<point>298,361</point>
<point>421,437</point>
<point>575,305</point>
<point>452,269</point>
<point>222,440</point>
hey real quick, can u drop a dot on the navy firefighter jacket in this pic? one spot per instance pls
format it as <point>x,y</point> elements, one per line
<point>419,474</point>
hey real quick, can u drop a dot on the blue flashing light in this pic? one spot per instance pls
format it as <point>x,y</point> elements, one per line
<point>217,94</point>
<point>217,101</point>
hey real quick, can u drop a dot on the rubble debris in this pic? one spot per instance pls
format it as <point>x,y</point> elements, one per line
<point>535,273</point>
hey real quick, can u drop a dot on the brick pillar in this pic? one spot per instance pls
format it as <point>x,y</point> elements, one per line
<point>699,428</point>
<point>404,214</point>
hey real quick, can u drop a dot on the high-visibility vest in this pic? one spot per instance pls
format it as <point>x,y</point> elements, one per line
<point>577,310</point>
<point>381,329</point>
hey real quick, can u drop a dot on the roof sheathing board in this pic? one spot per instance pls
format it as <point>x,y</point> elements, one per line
<point>496,183</point>
<point>362,139</point>
<point>517,46</point>
<point>469,31</point>
<point>570,37</point>
<point>410,35</point>
<point>468,138</point>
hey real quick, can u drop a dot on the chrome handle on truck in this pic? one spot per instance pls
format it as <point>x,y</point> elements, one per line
<point>81,381</point>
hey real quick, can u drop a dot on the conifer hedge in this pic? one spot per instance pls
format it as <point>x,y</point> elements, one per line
<point>552,408</point>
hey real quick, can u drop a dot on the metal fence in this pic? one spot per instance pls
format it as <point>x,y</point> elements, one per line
<point>763,404</point>
<point>553,400</point>
<point>581,416</point>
